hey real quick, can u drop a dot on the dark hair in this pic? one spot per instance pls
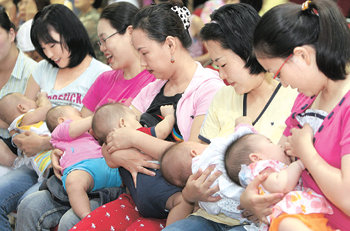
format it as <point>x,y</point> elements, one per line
<point>322,26</point>
<point>52,116</point>
<point>106,118</point>
<point>256,4</point>
<point>120,15</point>
<point>40,4</point>
<point>97,4</point>
<point>233,27</point>
<point>163,168</point>
<point>169,167</point>
<point>184,2</point>
<point>160,21</point>
<point>236,154</point>
<point>5,21</point>
<point>73,35</point>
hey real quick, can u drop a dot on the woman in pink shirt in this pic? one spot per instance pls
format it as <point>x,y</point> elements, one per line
<point>318,130</point>
<point>161,37</point>
<point>128,76</point>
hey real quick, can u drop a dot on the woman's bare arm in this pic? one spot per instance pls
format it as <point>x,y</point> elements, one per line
<point>85,112</point>
<point>32,89</point>
<point>123,138</point>
<point>196,126</point>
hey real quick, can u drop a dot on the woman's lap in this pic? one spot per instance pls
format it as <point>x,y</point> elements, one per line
<point>12,186</point>
<point>120,214</point>
<point>38,211</point>
<point>151,193</point>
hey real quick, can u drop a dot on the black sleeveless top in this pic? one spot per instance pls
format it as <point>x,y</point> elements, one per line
<point>153,116</point>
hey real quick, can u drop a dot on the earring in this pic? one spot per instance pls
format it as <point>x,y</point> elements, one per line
<point>172,60</point>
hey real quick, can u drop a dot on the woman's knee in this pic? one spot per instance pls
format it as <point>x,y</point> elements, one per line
<point>31,205</point>
<point>68,220</point>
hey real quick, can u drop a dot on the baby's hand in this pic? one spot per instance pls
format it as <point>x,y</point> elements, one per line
<point>167,110</point>
<point>243,120</point>
<point>42,99</point>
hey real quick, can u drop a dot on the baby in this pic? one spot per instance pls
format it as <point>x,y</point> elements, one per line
<point>23,114</point>
<point>186,158</point>
<point>116,115</point>
<point>301,208</point>
<point>83,166</point>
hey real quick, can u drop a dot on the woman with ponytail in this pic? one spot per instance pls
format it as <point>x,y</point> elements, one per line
<point>308,47</point>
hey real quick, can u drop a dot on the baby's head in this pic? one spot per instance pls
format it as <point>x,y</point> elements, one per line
<point>111,116</point>
<point>176,162</point>
<point>248,149</point>
<point>59,114</point>
<point>13,105</point>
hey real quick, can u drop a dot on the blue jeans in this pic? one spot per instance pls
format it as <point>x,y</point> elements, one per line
<point>12,187</point>
<point>38,211</point>
<point>195,223</point>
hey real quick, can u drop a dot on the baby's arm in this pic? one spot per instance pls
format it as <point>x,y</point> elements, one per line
<point>39,114</point>
<point>78,127</point>
<point>164,127</point>
<point>179,208</point>
<point>285,180</point>
<point>198,188</point>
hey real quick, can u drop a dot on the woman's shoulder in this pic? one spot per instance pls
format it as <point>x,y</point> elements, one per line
<point>204,73</point>
<point>44,64</point>
<point>227,97</point>
<point>43,67</point>
<point>109,75</point>
<point>227,92</point>
<point>25,63</point>
<point>206,78</point>
<point>155,85</point>
<point>302,102</point>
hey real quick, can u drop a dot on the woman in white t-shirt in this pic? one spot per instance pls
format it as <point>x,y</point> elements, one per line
<point>66,73</point>
<point>68,69</point>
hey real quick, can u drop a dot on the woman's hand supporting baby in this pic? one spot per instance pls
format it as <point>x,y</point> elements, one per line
<point>31,143</point>
<point>131,159</point>
<point>55,157</point>
<point>122,149</point>
<point>120,139</point>
<point>259,205</point>
<point>198,186</point>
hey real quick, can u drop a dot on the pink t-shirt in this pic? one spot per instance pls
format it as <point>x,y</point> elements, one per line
<point>195,101</point>
<point>332,142</point>
<point>75,149</point>
<point>111,86</point>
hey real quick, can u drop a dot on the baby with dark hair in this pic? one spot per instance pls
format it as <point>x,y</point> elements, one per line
<point>117,115</point>
<point>182,160</point>
<point>23,114</point>
<point>83,167</point>
<point>252,154</point>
